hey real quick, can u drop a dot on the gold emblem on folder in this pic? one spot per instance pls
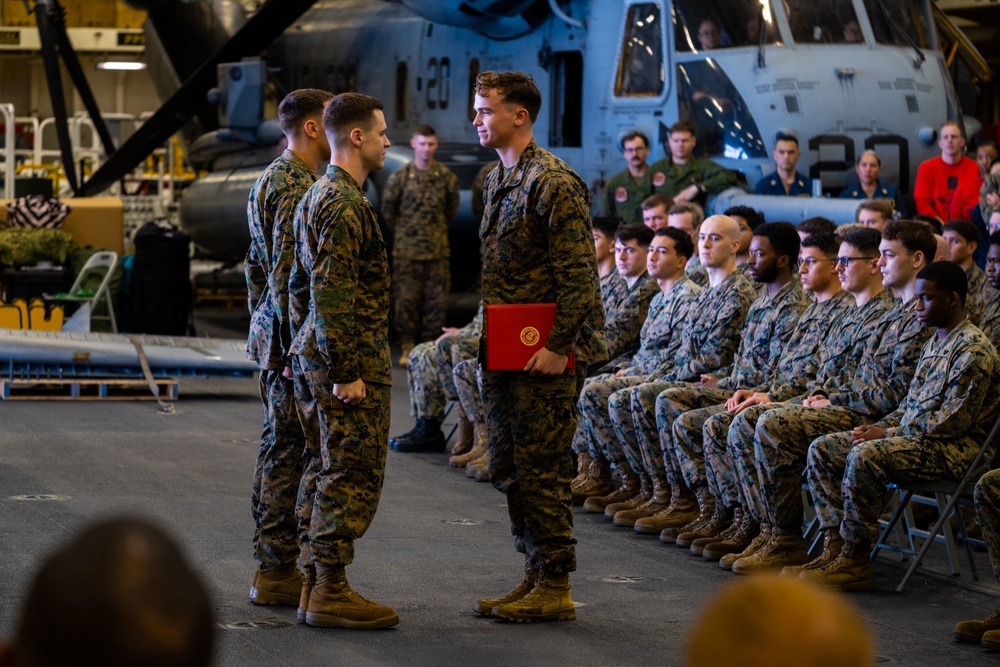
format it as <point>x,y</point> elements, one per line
<point>529,336</point>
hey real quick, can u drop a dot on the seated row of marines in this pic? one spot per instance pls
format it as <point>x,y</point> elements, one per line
<point>723,398</point>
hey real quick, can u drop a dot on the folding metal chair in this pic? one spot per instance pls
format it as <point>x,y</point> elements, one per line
<point>104,260</point>
<point>940,490</point>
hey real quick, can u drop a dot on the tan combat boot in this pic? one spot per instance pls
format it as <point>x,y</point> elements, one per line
<point>706,510</point>
<point>475,466</point>
<point>628,489</point>
<point>721,519</point>
<point>583,463</point>
<point>851,570</point>
<point>736,541</point>
<point>549,600</point>
<point>682,509</point>
<point>658,501</point>
<point>463,436</point>
<point>756,544</point>
<point>404,357</point>
<point>333,604</point>
<point>698,545</point>
<point>642,495</point>
<point>832,544</point>
<point>480,443</point>
<point>485,606</point>
<point>975,631</point>
<point>786,547</point>
<point>277,586</point>
<point>599,483</point>
<point>308,581</point>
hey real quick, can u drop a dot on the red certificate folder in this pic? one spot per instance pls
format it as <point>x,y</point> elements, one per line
<point>514,332</point>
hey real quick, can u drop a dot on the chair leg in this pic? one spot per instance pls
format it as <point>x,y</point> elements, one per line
<point>973,570</point>
<point>949,537</point>
<point>900,507</point>
<point>945,513</point>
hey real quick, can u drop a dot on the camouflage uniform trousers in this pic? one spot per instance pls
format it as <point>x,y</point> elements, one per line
<point>468,379</point>
<point>767,445</point>
<point>850,482</point>
<point>530,421</point>
<point>680,415</point>
<point>720,469</point>
<point>420,291</point>
<point>347,448</point>
<point>633,416</point>
<point>277,474</point>
<point>429,373</point>
<point>595,433</point>
<point>987,498</point>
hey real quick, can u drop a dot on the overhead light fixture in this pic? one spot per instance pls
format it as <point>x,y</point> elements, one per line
<point>126,65</point>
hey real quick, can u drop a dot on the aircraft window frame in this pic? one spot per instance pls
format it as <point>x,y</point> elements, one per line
<point>402,90</point>
<point>732,24</point>
<point>474,72</point>
<point>889,17</point>
<point>831,17</point>
<point>657,58</point>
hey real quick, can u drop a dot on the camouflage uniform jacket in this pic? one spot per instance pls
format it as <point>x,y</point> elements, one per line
<point>271,214</point>
<point>623,323</point>
<point>885,372</point>
<point>990,323</point>
<point>952,394</point>
<point>980,292</point>
<point>623,194</point>
<point>613,290</point>
<point>339,286</point>
<point>420,204</point>
<point>858,333</point>
<point>769,324</point>
<point>539,248</point>
<point>660,337</point>
<point>712,332</point>
<point>801,357</point>
<point>695,270</point>
<point>477,189</point>
<point>670,178</point>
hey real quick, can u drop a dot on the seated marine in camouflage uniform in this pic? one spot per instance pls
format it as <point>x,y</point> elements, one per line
<point>934,433</point>
<point>626,316</point>
<point>987,499</point>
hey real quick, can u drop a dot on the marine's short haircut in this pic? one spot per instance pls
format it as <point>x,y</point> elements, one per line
<point>995,238</point>
<point>299,106</point>
<point>697,212</point>
<point>635,231</point>
<point>948,276</point>
<point>915,237</point>
<point>424,131</point>
<point>607,225</point>
<point>786,136</point>
<point>682,240</point>
<point>827,243</point>
<point>811,226</point>
<point>934,223</point>
<point>347,111</point>
<point>514,87</point>
<point>682,126</point>
<point>883,207</point>
<point>783,237</point>
<point>964,228</point>
<point>652,201</point>
<point>120,594</point>
<point>753,217</point>
<point>865,239</point>
<point>634,134</point>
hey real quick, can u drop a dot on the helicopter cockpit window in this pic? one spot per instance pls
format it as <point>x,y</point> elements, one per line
<point>823,21</point>
<point>640,64</point>
<point>900,22</point>
<point>723,123</point>
<point>706,25</point>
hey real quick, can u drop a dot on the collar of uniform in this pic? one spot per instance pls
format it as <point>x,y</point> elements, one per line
<point>340,174</point>
<point>517,173</point>
<point>291,156</point>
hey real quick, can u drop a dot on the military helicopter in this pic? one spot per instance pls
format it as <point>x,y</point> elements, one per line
<point>846,75</point>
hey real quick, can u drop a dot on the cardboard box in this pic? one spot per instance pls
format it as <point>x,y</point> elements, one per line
<point>96,221</point>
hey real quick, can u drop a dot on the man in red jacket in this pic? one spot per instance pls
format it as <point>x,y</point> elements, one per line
<point>948,186</point>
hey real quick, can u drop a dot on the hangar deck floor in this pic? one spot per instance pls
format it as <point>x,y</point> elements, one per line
<point>439,541</point>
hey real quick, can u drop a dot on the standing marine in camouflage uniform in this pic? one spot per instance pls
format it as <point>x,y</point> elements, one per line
<point>429,375</point>
<point>271,213</point>
<point>624,192</point>
<point>419,202</point>
<point>769,324</point>
<point>538,249</point>
<point>934,433</point>
<point>987,499</point>
<point>853,337</point>
<point>782,435</point>
<point>708,343</point>
<point>339,304</point>
<point>660,339</point>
